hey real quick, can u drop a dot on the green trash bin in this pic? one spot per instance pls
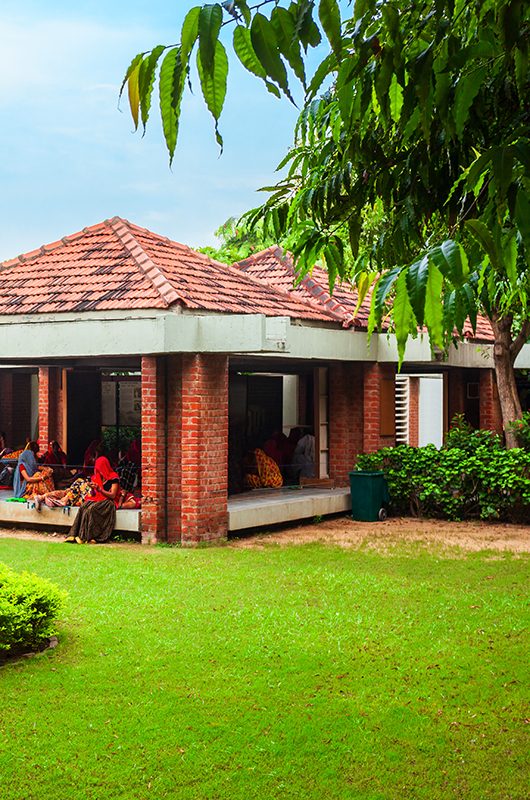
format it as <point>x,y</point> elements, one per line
<point>369,495</point>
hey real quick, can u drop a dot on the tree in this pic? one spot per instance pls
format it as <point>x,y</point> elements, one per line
<point>419,114</point>
<point>238,241</point>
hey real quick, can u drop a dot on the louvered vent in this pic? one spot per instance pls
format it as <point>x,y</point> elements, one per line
<point>402,409</point>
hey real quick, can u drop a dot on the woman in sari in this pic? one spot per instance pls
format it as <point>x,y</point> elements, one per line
<point>262,472</point>
<point>96,518</point>
<point>29,479</point>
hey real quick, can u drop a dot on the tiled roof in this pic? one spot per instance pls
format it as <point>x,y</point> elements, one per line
<point>117,265</point>
<point>274,267</point>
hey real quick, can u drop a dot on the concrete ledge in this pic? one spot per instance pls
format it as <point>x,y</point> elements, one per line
<point>126,520</point>
<point>272,506</point>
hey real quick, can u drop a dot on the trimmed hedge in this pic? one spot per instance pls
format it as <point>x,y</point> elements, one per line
<point>471,477</point>
<point>28,608</point>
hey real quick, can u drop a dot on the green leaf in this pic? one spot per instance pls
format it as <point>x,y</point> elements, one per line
<point>433,306</point>
<point>509,254</point>
<point>147,81</point>
<point>402,315</point>
<point>213,85</point>
<point>329,15</point>
<point>482,235</point>
<point>395,95</point>
<point>210,20</point>
<point>323,70</point>
<point>265,46</point>
<point>417,276</point>
<point>171,86</point>
<point>189,33</point>
<point>284,25</point>
<point>522,218</point>
<point>466,90</point>
<point>451,260</point>
<point>245,52</point>
<point>502,162</point>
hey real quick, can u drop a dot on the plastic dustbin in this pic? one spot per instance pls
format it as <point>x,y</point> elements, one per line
<point>369,495</point>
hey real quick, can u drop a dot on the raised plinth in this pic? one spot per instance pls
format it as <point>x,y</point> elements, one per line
<point>263,507</point>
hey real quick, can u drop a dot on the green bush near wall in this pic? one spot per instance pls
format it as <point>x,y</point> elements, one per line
<point>29,606</point>
<point>471,477</point>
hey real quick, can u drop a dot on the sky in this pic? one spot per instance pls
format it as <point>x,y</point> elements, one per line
<point>68,155</point>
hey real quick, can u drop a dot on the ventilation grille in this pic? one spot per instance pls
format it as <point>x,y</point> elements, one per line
<point>402,409</point>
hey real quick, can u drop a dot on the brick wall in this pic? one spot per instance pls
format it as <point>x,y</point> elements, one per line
<point>153,449</point>
<point>345,383</point>
<point>379,406</point>
<point>52,399</point>
<point>6,405</point>
<point>414,407</point>
<point>185,448</point>
<point>490,410</point>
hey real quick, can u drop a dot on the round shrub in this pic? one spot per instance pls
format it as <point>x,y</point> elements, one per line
<point>29,606</point>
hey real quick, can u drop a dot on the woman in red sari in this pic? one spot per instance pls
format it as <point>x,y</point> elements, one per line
<point>96,518</point>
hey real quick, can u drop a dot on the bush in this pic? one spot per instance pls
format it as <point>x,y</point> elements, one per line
<point>476,480</point>
<point>521,427</point>
<point>28,608</point>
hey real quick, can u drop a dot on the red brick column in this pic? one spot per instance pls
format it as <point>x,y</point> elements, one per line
<point>204,448</point>
<point>456,393</point>
<point>153,520</point>
<point>44,406</point>
<point>490,409</point>
<point>52,396</point>
<point>414,408</point>
<point>6,405</point>
<point>379,405</point>
<point>345,382</point>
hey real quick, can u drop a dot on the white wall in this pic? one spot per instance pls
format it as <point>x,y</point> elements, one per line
<point>431,410</point>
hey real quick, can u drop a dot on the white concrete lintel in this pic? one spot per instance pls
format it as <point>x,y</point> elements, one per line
<point>81,336</point>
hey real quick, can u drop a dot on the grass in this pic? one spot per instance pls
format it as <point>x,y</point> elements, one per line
<point>296,672</point>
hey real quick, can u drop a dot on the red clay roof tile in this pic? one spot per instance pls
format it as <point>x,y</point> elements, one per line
<point>117,265</point>
<point>276,268</point>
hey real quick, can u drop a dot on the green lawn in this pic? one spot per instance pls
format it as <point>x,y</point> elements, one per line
<point>299,672</point>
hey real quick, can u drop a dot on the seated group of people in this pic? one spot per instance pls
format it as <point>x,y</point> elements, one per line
<point>98,490</point>
<point>282,458</point>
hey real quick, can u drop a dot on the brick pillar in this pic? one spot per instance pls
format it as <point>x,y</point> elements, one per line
<point>44,406</point>
<point>456,393</point>
<point>490,409</point>
<point>345,419</point>
<point>153,520</point>
<point>379,406</point>
<point>204,448</point>
<point>6,405</point>
<point>414,408</point>
<point>52,396</point>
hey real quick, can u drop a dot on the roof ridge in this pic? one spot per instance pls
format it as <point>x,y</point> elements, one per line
<point>165,289</point>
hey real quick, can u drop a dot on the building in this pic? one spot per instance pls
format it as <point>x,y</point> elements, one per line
<point>115,321</point>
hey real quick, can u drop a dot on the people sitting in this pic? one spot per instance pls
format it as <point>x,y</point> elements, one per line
<point>96,517</point>
<point>55,457</point>
<point>261,471</point>
<point>28,478</point>
<point>303,463</point>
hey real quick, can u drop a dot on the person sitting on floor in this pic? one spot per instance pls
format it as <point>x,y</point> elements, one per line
<point>96,518</point>
<point>30,479</point>
<point>55,457</point>
<point>303,463</point>
<point>262,472</point>
<point>59,498</point>
<point>4,449</point>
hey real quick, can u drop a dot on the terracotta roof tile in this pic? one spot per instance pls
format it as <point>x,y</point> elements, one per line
<point>274,267</point>
<point>117,265</point>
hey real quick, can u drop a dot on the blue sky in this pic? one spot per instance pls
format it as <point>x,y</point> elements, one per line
<point>69,157</point>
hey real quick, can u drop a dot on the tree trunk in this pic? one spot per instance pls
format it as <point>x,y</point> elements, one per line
<point>505,351</point>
